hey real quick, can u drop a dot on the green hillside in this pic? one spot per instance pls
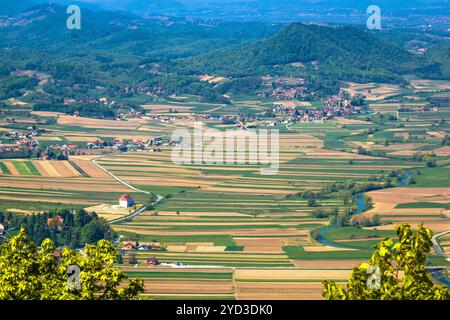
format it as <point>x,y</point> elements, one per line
<point>326,51</point>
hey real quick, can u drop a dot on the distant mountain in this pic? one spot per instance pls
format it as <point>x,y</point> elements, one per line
<point>340,11</point>
<point>337,5</point>
<point>395,12</point>
<point>141,7</point>
<point>82,4</point>
<point>438,58</point>
<point>114,49</point>
<point>185,46</point>
<point>343,53</point>
<point>44,27</point>
<point>12,7</point>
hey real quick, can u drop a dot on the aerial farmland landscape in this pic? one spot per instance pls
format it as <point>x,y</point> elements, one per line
<point>98,105</point>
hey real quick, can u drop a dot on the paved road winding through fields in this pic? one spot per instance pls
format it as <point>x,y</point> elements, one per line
<point>138,211</point>
<point>436,245</point>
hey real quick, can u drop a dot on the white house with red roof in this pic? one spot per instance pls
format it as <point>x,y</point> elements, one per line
<point>126,201</point>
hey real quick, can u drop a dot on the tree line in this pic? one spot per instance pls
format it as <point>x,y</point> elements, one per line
<point>70,228</point>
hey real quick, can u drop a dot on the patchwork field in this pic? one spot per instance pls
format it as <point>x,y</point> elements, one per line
<point>413,206</point>
<point>38,184</point>
<point>232,232</point>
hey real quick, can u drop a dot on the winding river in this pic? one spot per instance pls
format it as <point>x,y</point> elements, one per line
<point>361,207</point>
<point>436,273</point>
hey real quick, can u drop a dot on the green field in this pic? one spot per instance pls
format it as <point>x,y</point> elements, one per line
<point>349,233</point>
<point>226,217</point>
<point>424,205</point>
<point>180,275</point>
<point>4,169</point>
<point>298,253</point>
<point>26,168</point>
<point>433,178</point>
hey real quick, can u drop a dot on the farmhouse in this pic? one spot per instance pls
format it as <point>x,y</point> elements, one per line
<point>56,221</point>
<point>126,201</point>
<point>128,246</point>
<point>143,247</point>
<point>152,262</point>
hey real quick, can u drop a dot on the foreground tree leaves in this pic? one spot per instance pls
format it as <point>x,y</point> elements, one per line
<point>394,272</point>
<point>31,273</point>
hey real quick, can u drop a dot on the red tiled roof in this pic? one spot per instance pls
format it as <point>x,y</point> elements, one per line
<point>126,197</point>
<point>57,220</point>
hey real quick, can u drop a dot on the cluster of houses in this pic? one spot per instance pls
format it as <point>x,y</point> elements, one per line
<point>128,247</point>
<point>132,114</point>
<point>283,93</point>
<point>150,91</point>
<point>154,246</point>
<point>284,88</point>
<point>163,118</point>
<point>108,103</point>
<point>131,259</point>
<point>239,119</point>
<point>150,145</point>
<point>63,147</point>
<point>73,101</point>
<point>340,105</point>
<point>338,100</point>
<point>22,140</point>
<point>124,145</point>
<point>335,106</point>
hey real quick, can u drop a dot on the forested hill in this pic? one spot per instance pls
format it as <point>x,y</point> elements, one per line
<point>44,27</point>
<point>114,50</point>
<point>345,53</point>
<point>439,57</point>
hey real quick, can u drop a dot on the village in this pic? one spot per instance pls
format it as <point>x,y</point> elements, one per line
<point>25,140</point>
<point>26,143</point>
<point>335,106</point>
<point>111,104</point>
<point>282,113</point>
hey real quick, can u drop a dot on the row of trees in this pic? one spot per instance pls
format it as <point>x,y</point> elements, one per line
<point>347,190</point>
<point>85,110</point>
<point>64,227</point>
<point>428,158</point>
<point>343,218</point>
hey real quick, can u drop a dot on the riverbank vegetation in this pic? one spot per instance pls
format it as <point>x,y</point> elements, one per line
<point>395,271</point>
<point>71,228</point>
